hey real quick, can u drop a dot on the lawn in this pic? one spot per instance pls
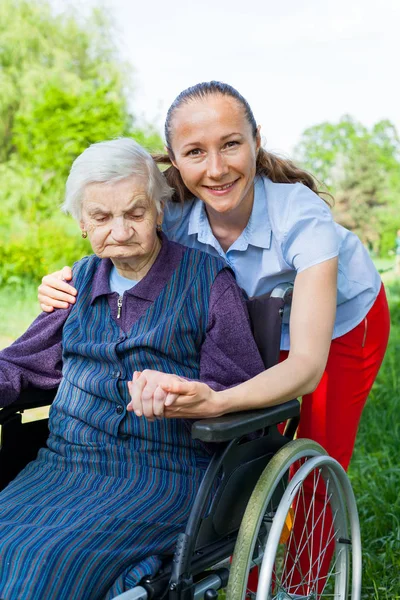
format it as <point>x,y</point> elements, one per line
<point>375,467</point>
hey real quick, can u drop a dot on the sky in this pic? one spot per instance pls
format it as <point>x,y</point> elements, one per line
<point>297,62</point>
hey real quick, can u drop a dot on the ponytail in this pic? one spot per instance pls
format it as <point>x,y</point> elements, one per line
<point>281,170</point>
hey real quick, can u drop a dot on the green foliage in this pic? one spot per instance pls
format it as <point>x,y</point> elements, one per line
<point>33,250</point>
<point>62,88</point>
<point>62,123</point>
<point>362,169</point>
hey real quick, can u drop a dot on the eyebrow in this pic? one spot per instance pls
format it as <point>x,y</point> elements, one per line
<point>94,209</point>
<point>222,139</point>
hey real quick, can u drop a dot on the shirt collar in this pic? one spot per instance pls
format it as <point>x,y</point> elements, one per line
<point>151,285</point>
<point>257,231</point>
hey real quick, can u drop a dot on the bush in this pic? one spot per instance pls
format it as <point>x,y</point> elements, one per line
<point>35,249</point>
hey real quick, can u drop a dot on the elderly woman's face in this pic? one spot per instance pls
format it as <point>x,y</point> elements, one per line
<point>120,219</point>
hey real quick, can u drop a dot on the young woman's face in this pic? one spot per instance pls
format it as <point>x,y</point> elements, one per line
<point>215,151</point>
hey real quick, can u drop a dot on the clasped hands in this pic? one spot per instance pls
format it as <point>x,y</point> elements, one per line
<point>156,395</point>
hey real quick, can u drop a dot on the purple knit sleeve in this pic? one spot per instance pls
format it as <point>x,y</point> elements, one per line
<point>229,354</point>
<point>34,358</point>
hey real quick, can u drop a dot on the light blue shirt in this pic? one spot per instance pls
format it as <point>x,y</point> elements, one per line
<point>290,229</point>
<point>120,284</point>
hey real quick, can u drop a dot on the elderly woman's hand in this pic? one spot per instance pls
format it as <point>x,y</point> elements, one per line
<point>147,396</point>
<point>155,394</point>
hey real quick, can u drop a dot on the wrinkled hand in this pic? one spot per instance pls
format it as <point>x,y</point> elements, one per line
<point>156,395</point>
<point>54,292</point>
<point>148,397</point>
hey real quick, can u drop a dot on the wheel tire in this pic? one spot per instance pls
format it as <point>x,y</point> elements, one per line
<point>267,500</point>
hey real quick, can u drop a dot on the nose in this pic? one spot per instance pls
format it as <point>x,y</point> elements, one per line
<point>216,166</point>
<point>121,230</point>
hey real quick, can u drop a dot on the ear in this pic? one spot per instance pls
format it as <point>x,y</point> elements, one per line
<point>160,215</point>
<point>171,156</point>
<point>258,138</point>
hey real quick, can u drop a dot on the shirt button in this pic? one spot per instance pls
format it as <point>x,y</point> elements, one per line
<point>116,373</point>
<point>119,410</point>
<point>122,338</point>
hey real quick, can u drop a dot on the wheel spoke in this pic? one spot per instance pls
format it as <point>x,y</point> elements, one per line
<point>318,577</point>
<point>305,542</point>
<point>296,536</point>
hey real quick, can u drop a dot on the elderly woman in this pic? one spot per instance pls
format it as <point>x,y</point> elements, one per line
<point>93,513</point>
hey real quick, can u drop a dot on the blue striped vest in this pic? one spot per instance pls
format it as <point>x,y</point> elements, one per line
<point>88,420</point>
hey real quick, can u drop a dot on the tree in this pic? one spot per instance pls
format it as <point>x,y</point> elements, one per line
<point>361,167</point>
<point>360,195</point>
<point>62,87</point>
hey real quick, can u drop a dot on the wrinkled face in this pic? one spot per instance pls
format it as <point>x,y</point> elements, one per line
<point>120,219</point>
<point>215,151</point>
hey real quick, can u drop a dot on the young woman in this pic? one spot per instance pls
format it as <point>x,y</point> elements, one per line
<point>265,218</point>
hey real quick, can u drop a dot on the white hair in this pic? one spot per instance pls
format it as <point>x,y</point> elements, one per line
<point>109,162</point>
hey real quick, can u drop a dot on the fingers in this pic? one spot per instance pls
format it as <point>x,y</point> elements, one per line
<point>178,387</point>
<point>66,273</point>
<point>147,399</point>
<point>153,396</point>
<point>56,293</point>
<point>46,308</point>
<point>158,402</point>
<point>170,399</point>
<point>147,396</point>
<point>136,387</point>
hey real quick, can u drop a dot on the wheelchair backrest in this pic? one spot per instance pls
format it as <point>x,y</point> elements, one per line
<point>267,312</point>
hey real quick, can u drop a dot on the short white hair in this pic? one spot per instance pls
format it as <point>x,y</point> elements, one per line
<point>109,162</point>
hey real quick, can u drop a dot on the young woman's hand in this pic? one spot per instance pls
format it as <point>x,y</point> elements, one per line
<point>55,292</point>
<point>155,395</point>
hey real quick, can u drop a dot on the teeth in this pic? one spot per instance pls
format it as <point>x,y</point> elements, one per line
<point>222,187</point>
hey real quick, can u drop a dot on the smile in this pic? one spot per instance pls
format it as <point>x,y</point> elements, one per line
<point>220,190</point>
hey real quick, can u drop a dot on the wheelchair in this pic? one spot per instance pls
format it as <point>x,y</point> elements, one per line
<point>260,483</point>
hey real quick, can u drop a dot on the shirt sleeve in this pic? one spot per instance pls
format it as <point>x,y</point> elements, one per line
<point>33,359</point>
<point>310,235</point>
<point>229,354</point>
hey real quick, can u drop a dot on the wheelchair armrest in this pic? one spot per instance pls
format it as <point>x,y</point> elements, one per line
<point>29,398</point>
<point>230,426</point>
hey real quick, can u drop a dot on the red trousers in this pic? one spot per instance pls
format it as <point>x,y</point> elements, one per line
<point>330,415</point>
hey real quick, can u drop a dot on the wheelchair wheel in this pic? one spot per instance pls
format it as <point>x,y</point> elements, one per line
<point>303,529</point>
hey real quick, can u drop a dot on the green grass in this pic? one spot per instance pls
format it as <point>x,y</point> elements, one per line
<point>375,467</point>
<point>375,472</point>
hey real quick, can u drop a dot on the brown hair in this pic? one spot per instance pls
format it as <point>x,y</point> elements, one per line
<point>278,170</point>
